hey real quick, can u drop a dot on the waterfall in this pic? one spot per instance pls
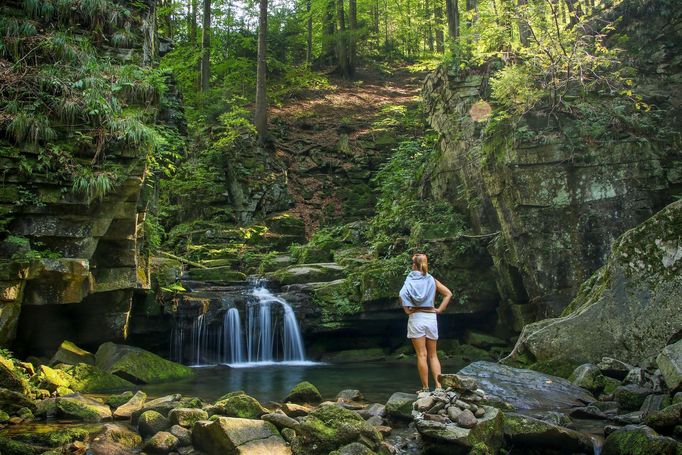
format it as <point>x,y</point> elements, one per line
<point>232,337</point>
<point>271,333</point>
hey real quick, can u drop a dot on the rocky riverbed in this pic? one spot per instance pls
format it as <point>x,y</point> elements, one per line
<point>486,408</point>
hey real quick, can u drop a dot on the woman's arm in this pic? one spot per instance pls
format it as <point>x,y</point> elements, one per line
<point>447,295</point>
<point>408,309</point>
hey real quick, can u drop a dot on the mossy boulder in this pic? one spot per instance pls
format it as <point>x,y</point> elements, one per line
<point>532,434</point>
<point>139,366</point>
<point>629,309</point>
<point>162,405</point>
<point>11,401</point>
<point>83,408</point>
<point>11,376</point>
<point>151,422</point>
<point>639,440</point>
<point>307,273</point>
<point>90,378</point>
<point>161,442</point>
<point>53,435</point>
<point>304,392</point>
<point>11,447</point>
<point>482,340</point>
<point>186,417</point>
<point>240,405</point>
<point>354,448</point>
<point>215,274</point>
<point>231,436</point>
<point>669,361</point>
<point>330,427</point>
<point>114,401</point>
<point>399,405</point>
<point>631,397</point>
<point>50,379</point>
<point>588,376</point>
<point>71,354</point>
<point>665,420</point>
<point>115,439</point>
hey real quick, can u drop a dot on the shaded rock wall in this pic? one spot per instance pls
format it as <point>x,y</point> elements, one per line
<point>630,309</point>
<point>557,208</point>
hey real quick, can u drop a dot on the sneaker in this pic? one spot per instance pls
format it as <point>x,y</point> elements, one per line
<point>423,390</point>
<point>438,389</point>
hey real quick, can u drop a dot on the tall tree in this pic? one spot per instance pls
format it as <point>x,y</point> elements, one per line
<point>353,35</point>
<point>429,26</point>
<point>522,21</point>
<point>341,40</point>
<point>329,41</point>
<point>192,6</point>
<point>452,11</point>
<point>309,33</point>
<point>261,115</point>
<point>206,47</point>
<point>438,24</point>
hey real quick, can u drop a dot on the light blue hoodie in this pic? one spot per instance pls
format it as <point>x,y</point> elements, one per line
<point>419,290</point>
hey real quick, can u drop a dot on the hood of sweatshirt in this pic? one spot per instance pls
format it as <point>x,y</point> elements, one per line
<point>418,290</point>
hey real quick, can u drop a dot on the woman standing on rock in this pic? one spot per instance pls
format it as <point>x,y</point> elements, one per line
<point>418,296</point>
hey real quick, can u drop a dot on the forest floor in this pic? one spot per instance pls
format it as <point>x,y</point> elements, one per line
<point>344,129</point>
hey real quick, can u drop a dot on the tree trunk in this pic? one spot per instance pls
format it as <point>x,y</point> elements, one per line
<point>352,36</point>
<point>429,26</point>
<point>574,12</point>
<point>329,42</point>
<point>261,116</point>
<point>309,37</point>
<point>438,23</point>
<point>341,41</point>
<point>472,5</point>
<point>452,11</point>
<point>375,17</point>
<point>522,22</point>
<point>206,47</point>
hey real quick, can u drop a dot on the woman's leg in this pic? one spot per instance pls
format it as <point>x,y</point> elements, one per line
<point>433,359</point>
<point>420,348</point>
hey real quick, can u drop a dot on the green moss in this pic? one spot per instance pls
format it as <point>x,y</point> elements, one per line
<point>114,401</point>
<point>10,447</point>
<point>89,378</point>
<point>225,273</point>
<point>560,368</point>
<point>79,410</point>
<point>139,365</point>
<point>242,406</point>
<point>54,438</point>
<point>304,392</point>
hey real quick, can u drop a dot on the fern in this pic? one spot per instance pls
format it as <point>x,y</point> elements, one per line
<point>94,185</point>
<point>27,127</point>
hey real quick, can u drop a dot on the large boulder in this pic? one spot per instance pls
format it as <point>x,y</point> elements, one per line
<point>304,392</point>
<point>162,405</point>
<point>330,427</point>
<point>71,354</point>
<point>137,365</point>
<point>151,422</point>
<point>451,438</point>
<point>638,440</point>
<point>526,389</point>
<point>186,417</point>
<point>665,420</point>
<point>629,309</point>
<point>528,433</point>
<point>669,361</point>
<point>12,401</point>
<point>83,408</point>
<point>588,376</point>
<point>230,436</point>
<point>161,442</point>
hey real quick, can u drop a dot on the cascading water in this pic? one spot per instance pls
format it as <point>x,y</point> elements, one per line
<point>272,335</point>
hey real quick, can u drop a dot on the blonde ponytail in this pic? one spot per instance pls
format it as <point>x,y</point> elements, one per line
<point>421,262</point>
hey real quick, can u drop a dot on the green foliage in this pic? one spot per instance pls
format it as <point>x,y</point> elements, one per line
<point>94,185</point>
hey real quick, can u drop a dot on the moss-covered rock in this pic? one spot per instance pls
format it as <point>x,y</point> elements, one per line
<point>669,361</point>
<point>304,392</point>
<point>399,405</point>
<point>588,376</point>
<point>71,354</point>
<point>11,377</point>
<point>329,428</point>
<point>11,447</point>
<point>231,436</point>
<point>161,442</point>
<point>240,405</point>
<point>537,435</point>
<point>53,435</point>
<point>135,403</point>
<point>90,378</point>
<point>114,401</point>
<point>50,379</point>
<point>139,366</point>
<point>307,273</point>
<point>485,437</point>
<point>151,422</point>
<point>665,420</point>
<point>639,440</point>
<point>11,401</point>
<point>115,440</point>
<point>186,417</point>
<point>83,408</point>
<point>631,397</point>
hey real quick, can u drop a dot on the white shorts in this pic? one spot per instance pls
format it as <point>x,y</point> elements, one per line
<point>422,325</point>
